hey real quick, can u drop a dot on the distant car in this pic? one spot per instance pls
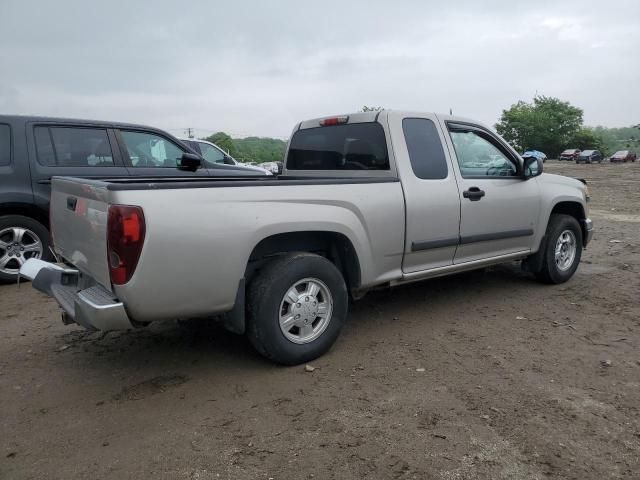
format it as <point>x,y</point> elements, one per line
<point>213,155</point>
<point>535,153</point>
<point>623,156</point>
<point>570,154</point>
<point>589,156</point>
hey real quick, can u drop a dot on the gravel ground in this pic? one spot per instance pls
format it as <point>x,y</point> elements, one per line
<point>481,375</point>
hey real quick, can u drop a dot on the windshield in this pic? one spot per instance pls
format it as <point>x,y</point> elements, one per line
<point>571,151</point>
<point>621,153</point>
<point>586,152</point>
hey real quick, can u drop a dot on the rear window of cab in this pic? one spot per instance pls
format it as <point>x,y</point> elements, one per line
<point>356,146</point>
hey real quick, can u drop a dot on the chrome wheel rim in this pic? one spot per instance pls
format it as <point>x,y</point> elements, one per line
<point>565,252</point>
<point>17,245</point>
<point>305,310</point>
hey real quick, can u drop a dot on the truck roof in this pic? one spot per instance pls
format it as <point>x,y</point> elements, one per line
<point>364,117</point>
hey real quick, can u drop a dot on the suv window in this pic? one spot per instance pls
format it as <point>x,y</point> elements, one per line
<point>151,150</point>
<point>479,155</point>
<point>73,147</point>
<point>356,146</point>
<point>5,145</point>
<point>210,153</point>
<point>425,148</point>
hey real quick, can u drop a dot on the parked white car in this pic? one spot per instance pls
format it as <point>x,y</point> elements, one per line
<point>214,154</point>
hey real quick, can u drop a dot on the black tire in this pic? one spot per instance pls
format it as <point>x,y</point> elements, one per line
<point>265,297</point>
<point>36,231</point>
<point>550,272</point>
<point>35,228</point>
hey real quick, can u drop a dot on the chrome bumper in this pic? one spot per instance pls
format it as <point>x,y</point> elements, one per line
<point>587,226</point>
<point>94,307</point>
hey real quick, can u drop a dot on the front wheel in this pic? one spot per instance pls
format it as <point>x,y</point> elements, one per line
<point>21,238</point>
<point>296,306</point>
<point>562,249</point>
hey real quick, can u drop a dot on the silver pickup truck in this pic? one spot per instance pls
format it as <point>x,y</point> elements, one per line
<point>365,200</point>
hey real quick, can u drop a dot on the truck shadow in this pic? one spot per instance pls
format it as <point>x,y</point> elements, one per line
<point>202,344</point>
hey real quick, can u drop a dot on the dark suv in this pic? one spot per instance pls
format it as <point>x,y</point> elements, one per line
<point>589,156</point>
<point>33,149</point>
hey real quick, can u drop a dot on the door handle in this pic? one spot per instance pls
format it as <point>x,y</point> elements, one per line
<point>71,203</point>
<point>474,194</point>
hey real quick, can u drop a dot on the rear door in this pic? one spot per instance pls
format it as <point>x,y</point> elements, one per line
<point>430,190</point>
<point>498,209</point>
<point>148,153</point>
<point>70,150</point>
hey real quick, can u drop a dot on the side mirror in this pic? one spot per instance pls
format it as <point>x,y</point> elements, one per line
<point>190,162</point>
<point>532,167</point>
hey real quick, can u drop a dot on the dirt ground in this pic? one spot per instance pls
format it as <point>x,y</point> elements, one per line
<point>481,375</point>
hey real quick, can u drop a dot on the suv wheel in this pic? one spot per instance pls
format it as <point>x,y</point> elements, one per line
<point>296,307</point>
<point>563,249</point>
<point>21,238</point>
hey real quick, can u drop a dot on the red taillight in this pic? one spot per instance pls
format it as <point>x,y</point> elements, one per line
<point>328,122</point>
<point>125,236</point>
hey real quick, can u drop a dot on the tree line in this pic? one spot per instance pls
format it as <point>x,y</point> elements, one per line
<point>551,125</point>
<point>250,149</point>
<point>547,124</point>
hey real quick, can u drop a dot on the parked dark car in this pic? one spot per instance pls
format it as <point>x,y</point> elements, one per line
<point>571,154</point>
<point>589,156</point>
<point>623,156</point>
<point>33,149</point>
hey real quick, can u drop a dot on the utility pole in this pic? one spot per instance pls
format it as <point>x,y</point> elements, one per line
<point>189,132</point>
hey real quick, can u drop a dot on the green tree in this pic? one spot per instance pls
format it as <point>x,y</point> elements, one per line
<point>250,149</point>
<point>614,139</point>
<point>224,141</point>
<point>547,124</point>
<point>587,139</point>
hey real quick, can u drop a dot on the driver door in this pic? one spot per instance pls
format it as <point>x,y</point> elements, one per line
<point>498,209</point>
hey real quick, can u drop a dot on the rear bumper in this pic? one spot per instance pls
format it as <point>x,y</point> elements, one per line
<point>93,307</point>
<point>587,227</point>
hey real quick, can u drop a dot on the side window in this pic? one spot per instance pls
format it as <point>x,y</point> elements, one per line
<point>44,147</point>
<point>478,156</point>
<point>81,147</point>
<point>73,147</point>
<point>151,150</point>
<point>211,154</point>
<point>5,145</point>
<point>425,148</point>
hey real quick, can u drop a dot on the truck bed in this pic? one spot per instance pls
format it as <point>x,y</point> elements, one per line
<point>200,232</point>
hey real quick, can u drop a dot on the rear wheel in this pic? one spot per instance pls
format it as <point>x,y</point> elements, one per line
<point>563,249</point>
<point>296,307</point>
<point>21,238</point>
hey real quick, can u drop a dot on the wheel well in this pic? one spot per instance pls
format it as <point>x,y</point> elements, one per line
<point>25,210</point>
<point>575,210</point>
<point>334,246</point>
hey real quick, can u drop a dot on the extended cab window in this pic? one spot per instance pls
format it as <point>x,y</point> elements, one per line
<point>151,150</point>
<point>73,147</point>
<point>356,146</point>
<point>479,155</point>
<point>425,148</point>
<point>5,145</point>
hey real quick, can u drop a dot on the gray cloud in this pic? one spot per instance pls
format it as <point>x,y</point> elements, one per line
<point>258,67</point>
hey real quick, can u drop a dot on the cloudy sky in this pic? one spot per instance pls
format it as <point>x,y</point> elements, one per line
<point>257,67</point>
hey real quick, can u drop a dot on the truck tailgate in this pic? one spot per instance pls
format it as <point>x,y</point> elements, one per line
<point>79,211</point>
